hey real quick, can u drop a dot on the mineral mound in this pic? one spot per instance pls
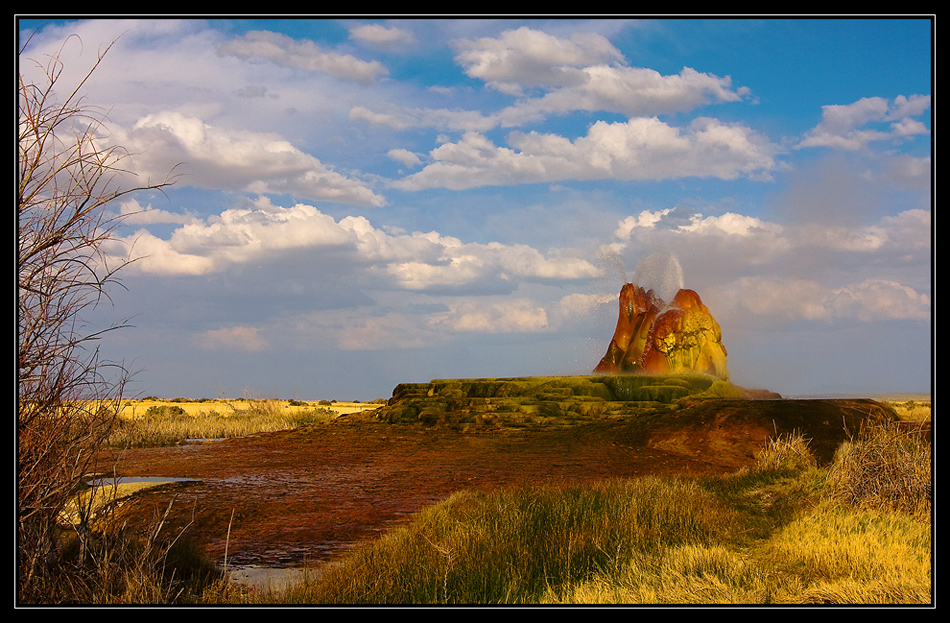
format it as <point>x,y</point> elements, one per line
<point>554,398</point>
<point>655,338</point>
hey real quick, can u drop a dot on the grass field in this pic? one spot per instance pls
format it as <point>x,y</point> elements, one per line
<point>162,422</point>
<point>196,407</point>
<point>783,532</point>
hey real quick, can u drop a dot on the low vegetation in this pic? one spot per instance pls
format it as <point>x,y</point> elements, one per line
<point>785,531</point>
<point>154,422</point>
<point>529,400</point>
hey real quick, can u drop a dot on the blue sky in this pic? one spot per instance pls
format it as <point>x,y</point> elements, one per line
<point>364,202</point>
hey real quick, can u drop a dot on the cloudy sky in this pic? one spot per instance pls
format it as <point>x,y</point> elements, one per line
<point>365,202</point>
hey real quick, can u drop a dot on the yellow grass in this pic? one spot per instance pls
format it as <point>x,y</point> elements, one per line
<point>916,408</point>
<point>158,422</point>
<point>133,408</point>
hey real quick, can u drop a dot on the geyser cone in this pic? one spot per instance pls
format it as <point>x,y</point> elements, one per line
<point>638,309</point>
<point>654,338</point>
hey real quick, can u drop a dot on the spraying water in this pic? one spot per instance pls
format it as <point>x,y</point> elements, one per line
<point>661,272</point>
<point>612,260</point>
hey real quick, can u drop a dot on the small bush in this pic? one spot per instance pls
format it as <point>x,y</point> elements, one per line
<point>886,466</point>
<point>786,453</point>
<point>164,410</point>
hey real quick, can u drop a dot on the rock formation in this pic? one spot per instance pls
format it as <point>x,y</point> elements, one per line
<point>655,338</point>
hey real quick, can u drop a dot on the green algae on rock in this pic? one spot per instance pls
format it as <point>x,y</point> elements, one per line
<point>549,398</point>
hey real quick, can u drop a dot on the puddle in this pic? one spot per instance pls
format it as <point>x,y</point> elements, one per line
<point>133,480</point>
<point>107,491</point>
<point>275,578</point>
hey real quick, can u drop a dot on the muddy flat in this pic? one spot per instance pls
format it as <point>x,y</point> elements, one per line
<point>305,496</point>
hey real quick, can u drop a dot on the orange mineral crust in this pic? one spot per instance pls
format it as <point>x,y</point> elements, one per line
<point>655,338</point>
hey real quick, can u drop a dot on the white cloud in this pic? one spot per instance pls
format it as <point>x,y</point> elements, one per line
<point>277,48</point>
<point>880,299</point>
<point>527,57</point>
<point>631,91</point>
<point>748,267</point>
<point>207,156</point>
<point>156,256</point>
<point>807,299</point>
<point>380,36</point>
<point>578,304</point>
<point>415,262</point>
<point>471,263</point>
<point>505,316</point>
<point>639,149</point>
<point>909,172</point>
<point>845,126</point>
<point>404,156</point>
<point>585,72</point>
<point>907,231</point>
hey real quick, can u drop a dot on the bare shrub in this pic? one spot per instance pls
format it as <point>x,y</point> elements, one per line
<point>67,397</point>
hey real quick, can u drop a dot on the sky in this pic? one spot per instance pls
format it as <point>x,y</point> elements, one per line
<point>365,202</point>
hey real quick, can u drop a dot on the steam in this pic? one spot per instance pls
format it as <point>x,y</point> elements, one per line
<point>661,272</point>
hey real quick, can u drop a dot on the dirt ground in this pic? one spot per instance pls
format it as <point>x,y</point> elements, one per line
<point>304,497</point>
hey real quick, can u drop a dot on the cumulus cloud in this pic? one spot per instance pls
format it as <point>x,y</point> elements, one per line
<point>379,36</point>
<point>853,126</point>
<point>404,156</point>
<point>416,262</point>
<point>306,55</point>
<point>807,299</point>
<point>639,149</point>
<point>728,223</point>
<point>504,316</point>
<point>207,156</point>
<point>907,231</point>
<point>630,91</point>
<point>583,72</point>
<point>527,57</point>
<point>906,171</point>
<point>731,254</point>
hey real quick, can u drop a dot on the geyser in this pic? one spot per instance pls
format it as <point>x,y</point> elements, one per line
<point>653,337</point>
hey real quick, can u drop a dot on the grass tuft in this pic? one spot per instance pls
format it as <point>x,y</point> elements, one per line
<point>886,466</point>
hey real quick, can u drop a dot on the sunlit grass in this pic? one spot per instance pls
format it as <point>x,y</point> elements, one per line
<point>777,533</point>
<point>161,423</point>
<point>911,409</point>
<point>784,531</point>
<point>514,545</point>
